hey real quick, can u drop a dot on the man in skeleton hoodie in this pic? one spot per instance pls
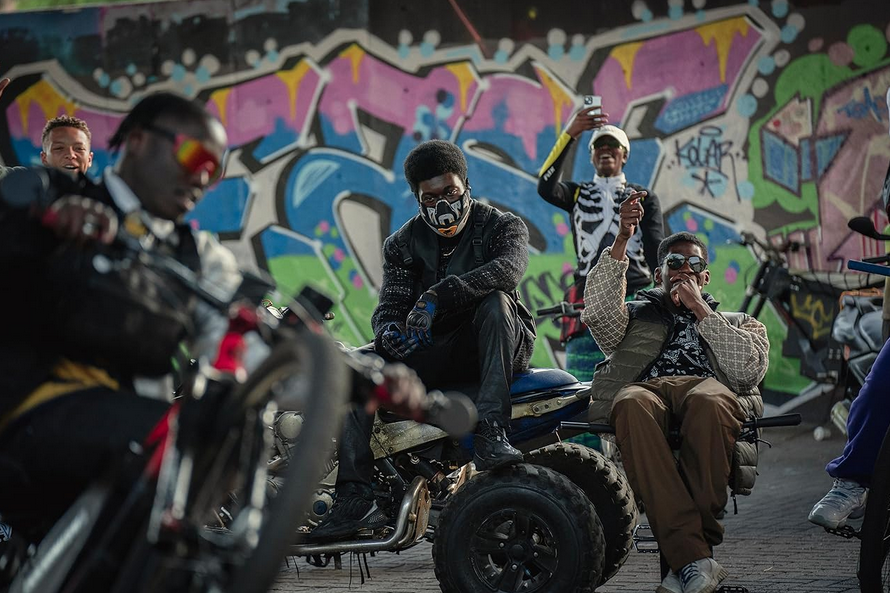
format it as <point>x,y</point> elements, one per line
<point>593,208</point>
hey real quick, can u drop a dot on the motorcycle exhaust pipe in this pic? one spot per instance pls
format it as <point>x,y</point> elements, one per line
<point>415,499</point>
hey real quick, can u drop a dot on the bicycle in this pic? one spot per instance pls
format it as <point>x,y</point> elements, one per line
<point>783,287</point>
<point>151,526</point>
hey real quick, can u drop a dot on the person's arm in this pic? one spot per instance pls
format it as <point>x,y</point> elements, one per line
<point>652,227</point>
<point>396,297</point>
<point>220,268</point>
<point>33,220</point>
<point>507,262</point>
<point>742,352</point>
<point>605,313</point>
<point>560,194</point>
<point>564,194</point>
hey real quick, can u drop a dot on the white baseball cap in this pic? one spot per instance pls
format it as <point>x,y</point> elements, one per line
<point>613,131</point>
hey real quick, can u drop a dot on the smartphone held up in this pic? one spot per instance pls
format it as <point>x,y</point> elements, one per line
<point>595,103</point>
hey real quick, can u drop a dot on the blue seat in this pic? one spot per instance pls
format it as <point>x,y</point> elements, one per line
<point>538,379</point>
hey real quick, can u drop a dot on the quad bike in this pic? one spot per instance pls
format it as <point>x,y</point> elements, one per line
<point>561,521</point>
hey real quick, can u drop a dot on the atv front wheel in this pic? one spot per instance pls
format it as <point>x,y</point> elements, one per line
<point>522,528</point>
<point>605,486</point>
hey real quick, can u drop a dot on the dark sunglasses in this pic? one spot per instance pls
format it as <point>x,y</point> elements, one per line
<point>675,261</point>
<point>607,141</point>
<point>192,154</point>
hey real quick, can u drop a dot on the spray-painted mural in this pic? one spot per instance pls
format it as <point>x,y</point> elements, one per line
<point>754,116</point>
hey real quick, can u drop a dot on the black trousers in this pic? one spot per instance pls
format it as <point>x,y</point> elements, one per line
<point>480,351</point>
<point>52,453</point>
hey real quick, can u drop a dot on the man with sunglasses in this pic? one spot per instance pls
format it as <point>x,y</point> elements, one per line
<point>80,381</point>
<point>673,358</point>
<point>449,310</point>
<point>593,209</point>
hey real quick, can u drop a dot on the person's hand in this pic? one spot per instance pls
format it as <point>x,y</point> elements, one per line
<point>420,319</point>
<point>406,392</point>
<point>3,84</point>
<point>686,292</point>
<point>79,219</point>
<point>583,121</point>
<point>396,342</point>
<point>631,213</point>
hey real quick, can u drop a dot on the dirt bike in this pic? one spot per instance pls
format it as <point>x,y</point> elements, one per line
<point>144,527</point>
<point>561,521</point>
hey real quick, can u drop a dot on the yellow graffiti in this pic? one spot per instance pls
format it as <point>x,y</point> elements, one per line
<point>354,54</point>
<point>220,98</point>
<point>812,311</point>
<point>559,96</point>
<point>722,33</point>
<point>465,77</point>
<point>49,100</point>
<point>626,54</point>
<point>291,79</point>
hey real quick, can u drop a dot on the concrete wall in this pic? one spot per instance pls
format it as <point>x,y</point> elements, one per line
<point>754,116</point>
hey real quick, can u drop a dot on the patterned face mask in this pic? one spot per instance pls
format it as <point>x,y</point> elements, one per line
<point>445,217</point>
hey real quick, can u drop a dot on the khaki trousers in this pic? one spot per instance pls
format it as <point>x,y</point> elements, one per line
<point>683,496</point>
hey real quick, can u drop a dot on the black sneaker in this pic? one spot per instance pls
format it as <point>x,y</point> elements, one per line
<point>492,449</point>
<point>350,514</point>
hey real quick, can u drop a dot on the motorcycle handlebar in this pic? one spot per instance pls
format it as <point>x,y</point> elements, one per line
<point>452,411</point>
<point>749,239</point>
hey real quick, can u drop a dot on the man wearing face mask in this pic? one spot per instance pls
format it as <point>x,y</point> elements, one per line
<point>448,309</point>
<point>672,357</point>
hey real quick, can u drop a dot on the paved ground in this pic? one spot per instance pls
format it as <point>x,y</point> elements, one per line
<point>770,546</point>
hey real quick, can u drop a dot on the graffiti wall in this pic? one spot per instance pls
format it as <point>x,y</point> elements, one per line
<point>761,117</point>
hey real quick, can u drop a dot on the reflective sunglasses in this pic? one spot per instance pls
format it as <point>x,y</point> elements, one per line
<point>191,153</point>
<point>675,261</point>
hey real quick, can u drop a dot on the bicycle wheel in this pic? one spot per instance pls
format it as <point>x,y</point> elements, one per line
<point>874,568</point>
<point>307,373</point>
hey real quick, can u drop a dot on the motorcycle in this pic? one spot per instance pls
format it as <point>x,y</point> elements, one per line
<point>858,327</point>
<point>835,361</point>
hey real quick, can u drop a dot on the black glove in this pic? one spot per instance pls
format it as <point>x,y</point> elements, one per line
<point>420,319</point>
<point>396,342</point>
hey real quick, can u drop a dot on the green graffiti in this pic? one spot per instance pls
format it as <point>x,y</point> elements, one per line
<point>869,45</point>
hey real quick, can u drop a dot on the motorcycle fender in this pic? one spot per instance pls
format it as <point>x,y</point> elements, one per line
<point>388,438</point>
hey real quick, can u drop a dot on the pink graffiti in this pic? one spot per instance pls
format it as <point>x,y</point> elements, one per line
<point>102,124</point>
<point>515,107</point>
<point>253,109</point>
<point>855,176</point>
<point>388,93</point>
<point>656,68</point>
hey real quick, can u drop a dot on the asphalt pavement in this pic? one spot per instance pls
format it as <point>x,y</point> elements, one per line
<point>769,547</point>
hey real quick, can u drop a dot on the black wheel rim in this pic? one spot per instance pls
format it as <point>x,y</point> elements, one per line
<point>512,551</point>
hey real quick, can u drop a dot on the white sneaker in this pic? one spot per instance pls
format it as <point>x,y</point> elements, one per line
<point>670,584</point>
<point>702,576</point>
<point>845,500</point>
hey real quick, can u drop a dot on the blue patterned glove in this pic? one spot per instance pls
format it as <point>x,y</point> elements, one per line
<point>420,319</point>
<point>396,342</point>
